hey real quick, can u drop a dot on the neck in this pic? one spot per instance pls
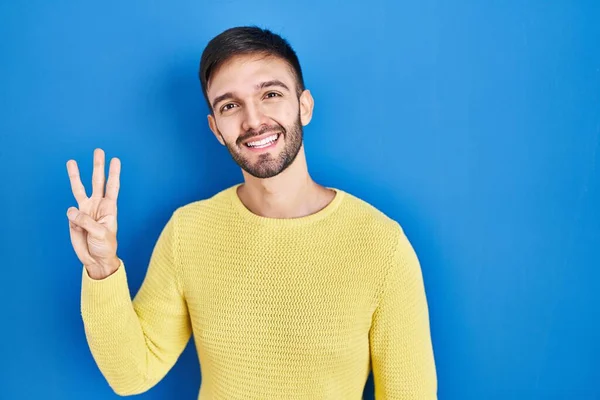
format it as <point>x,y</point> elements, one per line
<point>290,194</point>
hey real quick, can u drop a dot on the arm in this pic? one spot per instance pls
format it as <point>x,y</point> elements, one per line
<point>135,343</point>
<point>400,342</point>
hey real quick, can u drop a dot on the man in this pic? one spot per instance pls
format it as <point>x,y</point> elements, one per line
<point>292,290</point>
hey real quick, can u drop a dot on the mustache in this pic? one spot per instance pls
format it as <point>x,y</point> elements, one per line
<point>264,129</point>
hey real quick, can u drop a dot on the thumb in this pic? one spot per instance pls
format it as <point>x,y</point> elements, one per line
<point>86,222</point>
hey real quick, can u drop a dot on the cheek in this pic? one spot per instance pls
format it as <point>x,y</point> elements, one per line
<point>229,127</point>
<point>284,113</point>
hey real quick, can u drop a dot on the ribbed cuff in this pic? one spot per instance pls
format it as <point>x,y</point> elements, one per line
<point>101,296</point>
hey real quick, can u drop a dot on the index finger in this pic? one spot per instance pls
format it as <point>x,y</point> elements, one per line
<point>113,184</point>
<point>76,186</point>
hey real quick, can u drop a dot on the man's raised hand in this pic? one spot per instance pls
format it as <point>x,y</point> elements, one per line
<point>93,225</point>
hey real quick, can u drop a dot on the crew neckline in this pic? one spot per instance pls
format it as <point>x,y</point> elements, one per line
<point>326,211</point>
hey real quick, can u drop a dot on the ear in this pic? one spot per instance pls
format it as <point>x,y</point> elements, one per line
<point>307,104</point>
<point>212,124</point>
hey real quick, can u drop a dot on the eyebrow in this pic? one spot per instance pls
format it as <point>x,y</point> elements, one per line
<point>274,82</point>
<point>262,85</point>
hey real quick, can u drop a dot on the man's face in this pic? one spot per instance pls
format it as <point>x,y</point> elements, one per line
<point>257,114</point>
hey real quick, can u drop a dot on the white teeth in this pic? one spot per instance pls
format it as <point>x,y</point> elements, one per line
<point>263,142</point>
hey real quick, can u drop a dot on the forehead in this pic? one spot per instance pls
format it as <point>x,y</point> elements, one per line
<point>243,73</point>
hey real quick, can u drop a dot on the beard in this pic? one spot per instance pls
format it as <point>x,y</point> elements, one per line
<point>268,165</point>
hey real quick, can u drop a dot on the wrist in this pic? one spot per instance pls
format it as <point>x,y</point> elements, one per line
<point>104,270</point>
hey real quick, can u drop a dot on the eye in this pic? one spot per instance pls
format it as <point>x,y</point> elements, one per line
<point>227,107</point>
<point>272,94</point>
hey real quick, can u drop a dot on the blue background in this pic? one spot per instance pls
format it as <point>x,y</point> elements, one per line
<point>475,124</point>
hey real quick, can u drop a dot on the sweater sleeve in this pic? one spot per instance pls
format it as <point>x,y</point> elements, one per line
<point>400,342</point>
<point>135,343</point>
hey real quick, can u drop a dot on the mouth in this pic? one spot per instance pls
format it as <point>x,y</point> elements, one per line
<point>265,143</point>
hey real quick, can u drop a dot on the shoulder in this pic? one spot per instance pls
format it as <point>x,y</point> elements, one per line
<point>368,218</point>
<point>369,230</point>
<point>402,261</point>
<point>199,212</point>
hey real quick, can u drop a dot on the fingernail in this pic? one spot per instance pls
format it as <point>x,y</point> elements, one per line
<point>71,214</point>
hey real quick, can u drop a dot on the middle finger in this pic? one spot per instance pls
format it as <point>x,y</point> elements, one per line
<point>98,174</point>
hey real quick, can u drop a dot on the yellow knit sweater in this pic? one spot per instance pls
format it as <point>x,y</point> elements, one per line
<point>297,308</point>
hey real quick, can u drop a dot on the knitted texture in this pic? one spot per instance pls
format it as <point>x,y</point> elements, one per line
<point>299,308</point>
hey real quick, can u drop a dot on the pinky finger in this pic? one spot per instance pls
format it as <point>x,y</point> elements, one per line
<point>75,227</point>
<point>79,242</point>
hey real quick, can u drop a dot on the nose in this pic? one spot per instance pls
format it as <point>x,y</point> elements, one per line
<point>254,117</point>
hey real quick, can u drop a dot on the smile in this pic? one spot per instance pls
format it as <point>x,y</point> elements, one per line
<point>264,143</point>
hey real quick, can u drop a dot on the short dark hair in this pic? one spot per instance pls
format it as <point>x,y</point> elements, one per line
<point>244,40</point>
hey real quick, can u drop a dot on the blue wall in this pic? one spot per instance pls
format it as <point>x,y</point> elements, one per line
<point>475,124</point>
